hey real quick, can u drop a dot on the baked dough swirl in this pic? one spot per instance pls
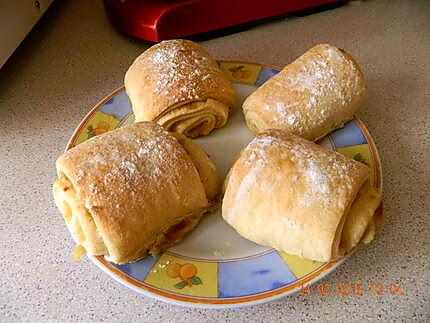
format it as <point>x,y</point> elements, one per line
<point>311,97</point>
<point>178,85</point>
<point>291,194</point>
<point>134,190</point>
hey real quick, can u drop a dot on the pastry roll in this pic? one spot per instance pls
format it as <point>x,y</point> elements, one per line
<point>178,85</point>
<point>311,97</point>
<point>293,195</point>
<point>134,190</point>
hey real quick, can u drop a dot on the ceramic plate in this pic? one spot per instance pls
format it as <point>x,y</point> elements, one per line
<point>222,269</point>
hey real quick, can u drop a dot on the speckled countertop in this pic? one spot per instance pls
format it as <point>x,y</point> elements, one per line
<point>74,57</point>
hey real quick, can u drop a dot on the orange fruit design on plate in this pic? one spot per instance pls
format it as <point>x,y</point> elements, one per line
<point>238,72</point>
<point>101,127</point>
<point>173,270</point>
<point>186,273</point>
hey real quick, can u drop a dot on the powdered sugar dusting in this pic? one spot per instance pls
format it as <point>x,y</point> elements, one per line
<point>179,62</point>
<point>128,166</point>
<point>320,84</point>
<point>320,77</point>
<point>148,153</point>
<point>319,173</point>
<point>80,175</point>
<point>141,160</point>
<point>317,178</point>
<point>318,182</point>
<point>96,159</point>
<point>283,112</point>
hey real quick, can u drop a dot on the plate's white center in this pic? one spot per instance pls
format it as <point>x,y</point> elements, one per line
<point>214,239</point>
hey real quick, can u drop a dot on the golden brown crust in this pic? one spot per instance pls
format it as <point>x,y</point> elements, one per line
<point>292,194</point>
<point>317,93</point>
<point>165,81</point>
<point>135,182</point>
<point>360,224</point>
<point>206,169</point>
<point>77,217</point>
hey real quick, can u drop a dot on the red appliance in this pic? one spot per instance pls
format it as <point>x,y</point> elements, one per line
<point>156,20</point>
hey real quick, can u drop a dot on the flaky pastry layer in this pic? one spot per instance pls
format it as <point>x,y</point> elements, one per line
<point>177,84</point>
<point>319,92</point>
<point>293,195</point>
<point>195,119</point>
<point>133,191</point>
